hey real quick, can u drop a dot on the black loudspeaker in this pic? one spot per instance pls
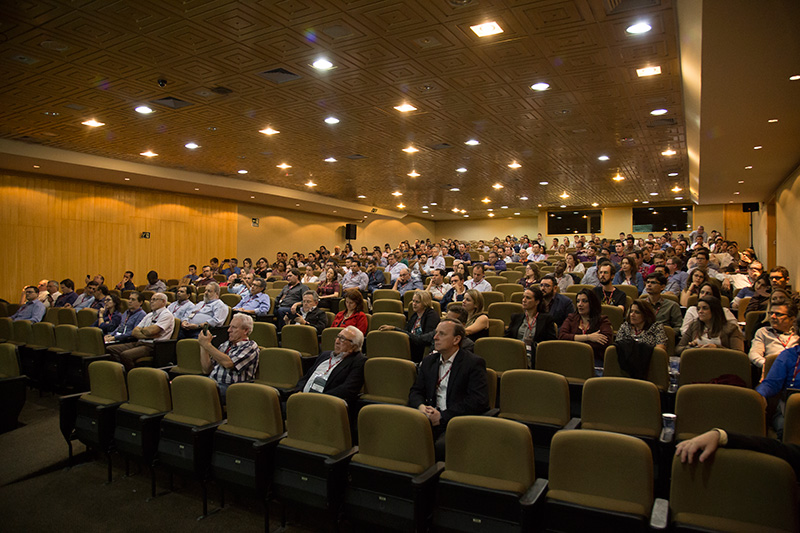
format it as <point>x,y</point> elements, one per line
<point>350,231</point>
<point>750,207</point>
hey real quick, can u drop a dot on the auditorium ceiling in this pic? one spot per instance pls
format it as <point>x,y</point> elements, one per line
<point>219,74</point>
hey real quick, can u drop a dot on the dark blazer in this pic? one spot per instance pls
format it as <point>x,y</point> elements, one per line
<point>316,317</point>
<point>467,387</point>
<point>346,379</point>
<point>546,329</point>
<point>419,342</point>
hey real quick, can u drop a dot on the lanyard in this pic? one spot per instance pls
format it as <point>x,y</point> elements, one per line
<point>786,344</point>
<point>530,324</point>
<point>331,365</point>
<point>438,383</point>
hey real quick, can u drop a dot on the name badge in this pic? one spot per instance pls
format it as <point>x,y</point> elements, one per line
<point>318,385</point>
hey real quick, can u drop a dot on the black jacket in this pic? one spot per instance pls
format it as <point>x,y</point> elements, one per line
<point>345,380</point>
<point>430,319</point>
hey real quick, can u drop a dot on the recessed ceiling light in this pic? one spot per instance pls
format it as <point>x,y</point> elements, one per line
<point>268,131</point>
<point>653,194</point>
<point>252,197</point>
<point>197,188</point>
<point>405,108</point>
<point>772,120</point>
<point>497,186</point>
<point>635,199</point>
<point>397,193</point>
<point>148,153</point>
<point>242,171</point>
<point>658,112</point>
<point>330,160</point>
<point>461,169</point>
<point>365,216</point>
<point>192,146</point>
<point>143,109</point>
<point>92,123</point>
<point>648,71</point>
<point>523,197</point>
<point>676,189</point>
<point>503,207</point>
<point>618,177</point>
<point>361,196</point>
<point>668,152</point>
<point>563,206</point>
<point>35,166</point>
<point>454,189</point>
<point>322,64</point>
<point>639,27</point>
<point>736,192</point>
<point>414,174</point>
<point>741,181</point>
<point>646,202</point>
<point>284,166</point>
<point>603,158</point>
<point>486,200</point>
<point>544,183</point>
<point>486,29</point>
<point>297,205</point>
<point>679,197</point>
<point>472,142</point>
<point>310,183</point>
<point>454,210</point>
<point>410,150</point>
<point>541,86</point>
<point>466,216</point>
<point>424,207</point>
<point>539,205</point>
<point>595,204</point>
<point>434,203</point>
<point>331,120</point>
<point>490,210</point>
<point>564,195</point>
<point>127,179</point>
<point>759,147</point>
<point>514,164</point>
<point>518,214</point>
<point>672,174</point>
<point>401,206</point>
<point>463,211</point>
<point>426,212</point>
<point>491,214</point>
<point>748,167</point>
<point>795,77</point>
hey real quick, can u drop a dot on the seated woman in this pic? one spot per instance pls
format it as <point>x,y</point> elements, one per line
<point>329,291</point>
<point>353,314</point>
<point>477,326</point>
<point>456,292</point>
<point>641,326</point>
<point>532,276</point>
<point>573,265</point>
<point>309,276</point>
<point>706,289</point>
<point>280,272</point>
<point>588,325</point>
<point>696,280</point>
<point>562,250</point>
<point>421,325</point>
<point>628,275</point>
<point>247,266</point>
<point>711,330</point>
<point>761,299</point>
<point>262,268</point>
<point>533,325</point>
<point>109,317</point>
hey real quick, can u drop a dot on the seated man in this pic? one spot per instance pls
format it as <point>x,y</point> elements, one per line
<point>558,305</point>
<point>668,312</point>
<point>213,264</point>
<point>290,294</point>
<point>127,282</point>
<point>744,282</point>
<point>182,305</point>
<point>130,319</point>
<point>256,302</point>
<point>462,254</point>
<point>394,266</point>
<point>206,277</point>
<point>777,337</point>
<point>33,309</point>
<point>235,360</point>
<point>536,253</point>
<point>50,296</point>
<point>478,282</point>
<point>450,382</point>
<point>192,276</point>
<point>240,284</point>
<point>494,261</point>
<point>339,372</point>
<point>354,278</point>
<point>607,292</point>
<point>153,283</point>
<point>211,311</point>
<point>405,282</point>
<point>86,299</point>
<point>434,261</point>
<point>41,289</point>
<point>306,313</point>
<point>158,324</point>
<point>233,267</point>
<point>782,375</point>
<point>676,281</point>
<point>563,278</point>
<point>437,287</point>
<point>375,276</point>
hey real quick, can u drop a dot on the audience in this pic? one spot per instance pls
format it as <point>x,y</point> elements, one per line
<point>668,312</point>
<point>406,282</point>
<point>588,325</point>
<point>153,283</point>
<point>127,282</point>
<point>780,335</point>
<point>353,314</point>
<point>290,294</point>
<point>706,290</point>
<point>478,282</point>
<point>437,286</point>
<point>628,274</point>
<point>696,279</point>
<point>129,320</point>
<point>86,299</point>
<point>642,327</point>
<point>211,311</point>
<point>457,290</point>
<point>711,329</point>
<point>557,305</point>
<point>477,324</point>
<point>182,305</point>
<point>606,292</point>
<point>256,301</point>
<point>531,276</point>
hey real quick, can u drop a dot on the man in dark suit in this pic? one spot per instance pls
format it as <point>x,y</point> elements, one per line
<point>450,382</point>
<point>307,313</point>
<point>339,372</point>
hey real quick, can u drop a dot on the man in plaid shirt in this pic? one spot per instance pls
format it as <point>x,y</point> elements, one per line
<point>235,360</point>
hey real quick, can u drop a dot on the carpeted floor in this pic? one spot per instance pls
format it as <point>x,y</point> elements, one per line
<point>40,492</point>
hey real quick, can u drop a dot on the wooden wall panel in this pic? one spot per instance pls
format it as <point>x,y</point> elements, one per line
<point>56,228</point>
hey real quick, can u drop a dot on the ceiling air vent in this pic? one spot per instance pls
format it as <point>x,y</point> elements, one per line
<point>279,75</point>
<point>356,156</point>
<point>661,122</point>
<point>441,146</point>
<point>224,91</point>
<point>614,7</point>
<point>174,103</point>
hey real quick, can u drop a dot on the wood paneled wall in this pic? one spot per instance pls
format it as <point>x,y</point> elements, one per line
<point>57,228</point>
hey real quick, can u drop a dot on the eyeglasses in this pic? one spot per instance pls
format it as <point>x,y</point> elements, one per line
<point>775,278</point>
<point>777,314</point>
<point>343,338</point>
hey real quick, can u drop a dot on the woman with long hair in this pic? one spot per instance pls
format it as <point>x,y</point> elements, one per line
<point>531,277</point>
<point>421,325</point>
<point>697,278</point>
<point>641,326</point>
<point>329,291</point>
<point>588,325</point>
<point>109,317</point>
<point>309,276</point>
<point>353,314</point>
<point>477,325</point>
<point>247,266</point>
<point>573,265</point>
<point>706,290</point>
<point>533,325</point>
<point>628,275</point>
<point>262,268</point>
<point>711,330</point>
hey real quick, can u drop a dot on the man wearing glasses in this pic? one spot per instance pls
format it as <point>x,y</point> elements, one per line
<point>235,360</point>
<point>339,372</point>
<point>780,335</point>
<point>158,324</point>
<point>32,309</point>
<point>779,279</point>
<point>745,282</point>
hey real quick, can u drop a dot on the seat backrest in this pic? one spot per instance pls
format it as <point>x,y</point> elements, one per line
<point>629,290</point>
<point>407,297</point>
<point>578,287</point>
<point>503,311</point>
<point>6,328</point>
<point>148,390</point>
<point>380,294</point>
<point>43,334</point>
<point>9,364</point>
<point>388,379</point>
<point>724,300</point>
<point>86,317</point>
<point>743,303</point>
<point>22,332</point>
<point>491,387</point>
<point>195,401</point>
<point>187,356</point>
<point>394,437</point>
<point>496,327</point>
<point>511,275</point>
<point>571,359</point>
<point>508,289</point>
<point>605,470</point>
<point>328,339</point>
<point>176,329</point>
<point>703,407</point>
<point>231,299</point>
<point>753,321</point>
<point>657,372</point>
<point>502,354</point>
<point>671,336</point>
<point>317,423</point>
<point>516,297</point>
<point>90,341</point>
<point>387,305</point>
<point>302,338</point>
<point>621,405</point>
<point>490,297</point>
<point>489,452</point>
<point>279,367</point>
<point>388,344</point>
<point>67,315</point>
<point>495,279</point>
<point>535,396</point>
<point>719,494</point>
<point>701,365</point>
<point>66,337</point>
<point>791,427</point>
<point>254,410</point>
<point>106,383</point>
<point>51,316</point>
<point>264,334</point>
<point>392,319</point>
<point>615,315</point>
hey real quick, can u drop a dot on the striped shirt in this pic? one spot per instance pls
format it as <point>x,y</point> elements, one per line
<point>244,355</point>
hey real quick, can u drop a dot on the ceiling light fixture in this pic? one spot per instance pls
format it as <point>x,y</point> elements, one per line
<point>679,197</point>
<point>541,86</point>
<point>322,64</point>
<point>648,71</point>
<point>242,171</point>
<point>461,169</point>
<point>646,202</point>
<point>523,197</point>
<point>544,183</point>
<point>397,193</point>
<point>669,152</point>
<point>618,177</point>
<point>672,174</point>
<point>497,186</point>
<point>454,210</point>
<point>638,28</point>
<point>284,166</point>
<point>653,194</point>
<point>92,123</point>
<point>310,183</point>
<point>514,164</point>
<point>268,131</point>
<point>331,120</point>
<point>503,207</point>
<point>486,29</point>
<point>486,200</point>
<point>772,120</point>
<point>603,158</point>
<point>454,189</point>
<point>410,150</point>
<point>148,153</point>
<point>192,146</point>
<point>517,213</point>
<point>414,174</point>
<point>405,108</point>
<point>252,197</point>
<point>330,160</point>
<point>563,206</point>
<point>676,189</point>
<point>434,203</point>
<point>736,192</point>
<point>463,211</point>
<point>361,196</point>
<point>795,77</point>
<point>595,204</point>
<point>143,110</point>
<point>491,214</point>
<point>127,179</point>
<point>748,167</point>
<point>564,195</point>
<point>401,206</point>
<point>759,147</point>
<point>472,142</point>
<point>741,181</point>
<point>197,188</point>
<point>658,112</point>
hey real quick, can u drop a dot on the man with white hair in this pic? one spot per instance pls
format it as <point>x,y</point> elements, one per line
<point>339,372</point>
<point>157,325</point>
<point>211,311</point>
<point>235,360</point>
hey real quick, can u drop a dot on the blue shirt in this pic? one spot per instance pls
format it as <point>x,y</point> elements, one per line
<point>229,271</point>
<point>65,299</point>
<point>33,311</point>
<point>180,309</point>
<point>128,321</point>
<point>255,302</point>
<point>784,374</point>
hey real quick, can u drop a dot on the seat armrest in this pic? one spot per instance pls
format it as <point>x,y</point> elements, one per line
<point>154,416</point>
<point>108,406</point>
<point>660,514</point>
<point>492,412</point>
<point>534,493</point>
<point>431,473</point>
<point>341,457</point>
<point>198,430</point>
<point>71,398</point>
<point>275,439</point>
<point>574,423</point>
